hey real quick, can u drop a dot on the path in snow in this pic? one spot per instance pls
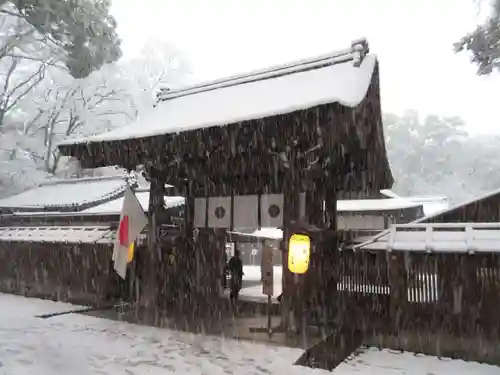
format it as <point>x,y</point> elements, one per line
<point>82,345</point>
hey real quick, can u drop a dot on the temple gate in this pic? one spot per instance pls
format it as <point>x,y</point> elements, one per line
<point>264,149</point>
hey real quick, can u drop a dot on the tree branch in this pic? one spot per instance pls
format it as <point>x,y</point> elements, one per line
<point>53,64</point>
<point>37,77</point>
<point>9,13</point>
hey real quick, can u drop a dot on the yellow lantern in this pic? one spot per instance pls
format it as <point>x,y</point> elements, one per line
<point>130,255</point>
<point>299,251</point>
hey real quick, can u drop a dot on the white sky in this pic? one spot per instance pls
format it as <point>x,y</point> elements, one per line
<point>412,38</point>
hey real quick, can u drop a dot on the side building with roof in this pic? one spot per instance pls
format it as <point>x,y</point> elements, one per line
<point>484,209</point>
<point>78,217</point>
<point>446,272</point>
<point>70,195</point>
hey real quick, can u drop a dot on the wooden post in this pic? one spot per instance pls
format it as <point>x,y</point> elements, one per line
<point>267,277</point>
<point>330,257</point>
<point>269,320</point>
<point>188,256</point>
<point>150,261</point>
<point>210,241</point>
<point>291,213</point>
<point>398,289</point>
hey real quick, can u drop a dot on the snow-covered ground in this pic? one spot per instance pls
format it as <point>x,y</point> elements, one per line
<point>81,345</point>
<point>252,273</point>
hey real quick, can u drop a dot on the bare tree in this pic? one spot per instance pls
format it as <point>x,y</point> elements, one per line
<point>79,108</point>
<point>158,65</point>
<point>45,104</point>
<point>24,58</point>
<point>14,90</point>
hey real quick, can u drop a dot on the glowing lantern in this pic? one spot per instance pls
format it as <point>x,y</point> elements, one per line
<point>299,250</point>
<point>130,255</point>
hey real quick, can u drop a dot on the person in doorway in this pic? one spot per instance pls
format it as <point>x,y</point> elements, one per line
<point>235,267</point>
<point>280,297</point>
<point>224,270</point>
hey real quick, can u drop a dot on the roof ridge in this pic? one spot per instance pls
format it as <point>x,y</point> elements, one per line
<point>356,53</point>
<point>115,187</point>
<point>82,179</point>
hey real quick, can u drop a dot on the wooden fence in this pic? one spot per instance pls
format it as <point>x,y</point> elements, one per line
<point>392,292</point>
<point>78,273</point>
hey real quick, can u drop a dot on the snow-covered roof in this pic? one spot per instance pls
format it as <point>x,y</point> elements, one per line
<point>427,198</point>
<point>263,233</point>
<point>333,78</point>
<point>424,198</point>
<point>388,193</point>
<point>448,209</point>
<point>350,205</point>
<point>71,193</point>
<point>115,206</point>
<point>54,234</point>
<point>437,238</point>
<point>431,204</point>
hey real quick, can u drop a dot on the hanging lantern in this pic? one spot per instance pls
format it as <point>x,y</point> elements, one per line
<point>299,251</point>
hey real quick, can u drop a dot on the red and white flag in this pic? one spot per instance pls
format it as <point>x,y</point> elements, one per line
<point>132,222</point>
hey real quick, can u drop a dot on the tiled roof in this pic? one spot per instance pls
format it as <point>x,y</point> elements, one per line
<point>52,234</point>
<point>66,195</point>
<point>340,77</point>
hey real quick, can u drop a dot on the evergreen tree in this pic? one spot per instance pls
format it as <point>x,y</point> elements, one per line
<point>484,42</point>
<point>83,29</point>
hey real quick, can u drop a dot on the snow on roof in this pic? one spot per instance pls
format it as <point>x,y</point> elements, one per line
<point>438,238</point>
<point>458,206</point>
<point>427,198</point>
<point>263,233</point>
<point>115,206</point>
<point>350,205</point>
<point>389,193</point>
<point>64,193</point>
<point>431,204</point>
<point>333,78</point>
<point>52,234</point>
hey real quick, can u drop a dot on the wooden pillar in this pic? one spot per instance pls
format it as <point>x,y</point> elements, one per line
<point>188,261</point>
<point>449,279</point>
<point>398,283</point>
<point>314,287</point>
<point>291,214</point>
<point>150,260</point>
<point>330,258</point>
<point>211,243</point>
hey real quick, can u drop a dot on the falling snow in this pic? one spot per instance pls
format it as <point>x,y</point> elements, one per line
<point>313,125</point>
<point>83,345</point>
